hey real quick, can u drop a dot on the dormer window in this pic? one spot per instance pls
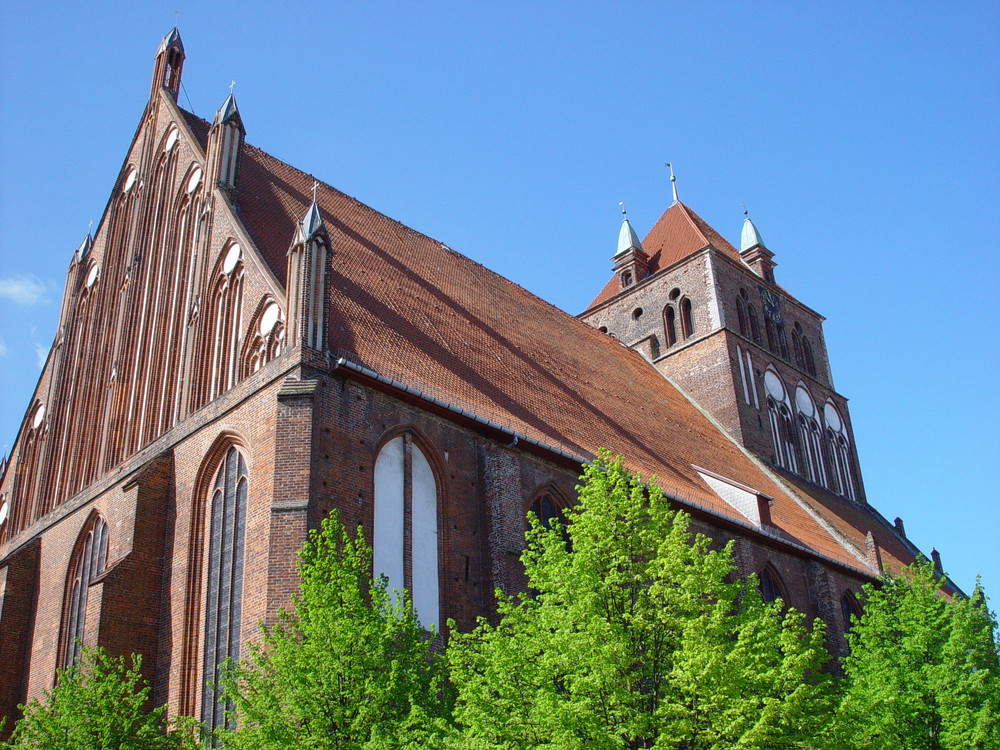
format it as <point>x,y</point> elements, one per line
<point>627,279</point>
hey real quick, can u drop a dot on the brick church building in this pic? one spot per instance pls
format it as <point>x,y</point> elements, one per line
<point>241,349</point>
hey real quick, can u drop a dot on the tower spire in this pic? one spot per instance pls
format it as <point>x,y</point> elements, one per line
<point>167,65</point>
<point>673,181</point>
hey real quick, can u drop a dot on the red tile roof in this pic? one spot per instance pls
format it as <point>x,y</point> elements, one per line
<point>416,311</point>
<point>678,233</point>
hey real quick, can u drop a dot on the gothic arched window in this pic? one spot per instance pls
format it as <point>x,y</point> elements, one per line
<point>807,356</point>
<point>224,586</point>
<point>669,325</point>
<point>771,587</point>
<point>89,558</point>
<point>406,525</point>
<point>849,609</point>
<point>741,316</point>
<point>754,324</point>
<point>842,480</point>
<point>687,320</point>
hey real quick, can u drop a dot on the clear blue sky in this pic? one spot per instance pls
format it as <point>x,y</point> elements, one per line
<point>862,137</point>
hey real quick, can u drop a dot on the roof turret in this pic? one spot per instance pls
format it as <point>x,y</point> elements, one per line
<point>312,222</point>
<point>229,112</point>
<point>627,238</point>
<point>750,237</point>
<point>172,39</point>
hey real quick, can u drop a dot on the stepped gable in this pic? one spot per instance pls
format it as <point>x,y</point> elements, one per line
<point>414,310</point>
<point>678,233</point>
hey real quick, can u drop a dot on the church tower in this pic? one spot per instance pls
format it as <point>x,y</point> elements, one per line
<point>713,320</point>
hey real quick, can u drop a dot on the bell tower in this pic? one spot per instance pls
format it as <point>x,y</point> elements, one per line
<point>712,319</point>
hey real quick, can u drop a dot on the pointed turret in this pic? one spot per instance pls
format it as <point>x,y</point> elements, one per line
<point>167,65</point>
<point>753,251</point>
<point>224,142</point>
<point>311,224</point>
<point>631,261</point>
<point>308,258</point>
<point>627,238</point>
<point>750,237</point>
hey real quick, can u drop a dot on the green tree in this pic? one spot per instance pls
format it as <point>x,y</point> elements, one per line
<point>637,634</point>
<point>97,704</point>
<point>923,670</point>
<point>348,667</point>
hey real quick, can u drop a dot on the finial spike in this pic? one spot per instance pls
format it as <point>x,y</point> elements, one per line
<point>177,17</point>
<point>673,181</point>
<point>90,226</point>
<point>622,204</point>
<point>315,185</point>
<point>745,212</point>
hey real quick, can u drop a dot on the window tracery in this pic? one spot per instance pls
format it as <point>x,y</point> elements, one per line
<point>405,548</point>
<point>88,562</point>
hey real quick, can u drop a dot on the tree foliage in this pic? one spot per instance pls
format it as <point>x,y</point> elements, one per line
<point>923,671</point>
<point>637,634</point>
<point>348,667</point>
<point>97,704</point>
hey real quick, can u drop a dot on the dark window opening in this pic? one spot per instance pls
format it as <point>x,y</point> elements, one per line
<point>687,320</point>
<point>88,564</point>
<point>669,326</point>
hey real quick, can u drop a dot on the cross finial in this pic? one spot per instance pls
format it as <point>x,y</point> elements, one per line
<point>315,185</point>
<point>90,226</point>
<point>231,84</point>
<point>177,18</point>
<point>622,204</point>
<point>673,180</point>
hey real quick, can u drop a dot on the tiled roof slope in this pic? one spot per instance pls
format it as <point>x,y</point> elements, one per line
<point>854,522</point>
<point>416,311</point>
<point>678,233</point>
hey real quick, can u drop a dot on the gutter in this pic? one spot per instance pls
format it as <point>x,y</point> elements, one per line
<point>518,437</point>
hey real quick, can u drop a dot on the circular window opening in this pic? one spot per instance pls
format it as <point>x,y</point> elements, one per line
<point>603,329</point>
<point>92,276</point>
<point>675,293</point>
<point>194,181</point>
<point>4,509</point>
<point>39,416</point>
<point>637,313</point>
<point>171,140</point>
<point>268,318</point>
<point>232,258</point>
<point>130,180</point>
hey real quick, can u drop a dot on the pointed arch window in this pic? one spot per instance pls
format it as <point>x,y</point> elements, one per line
<point>841,474</point>
<point>741,316</point>
<point>810,436</point>
<point>224,579</point>
<point>687,318</point>
<point>780,419</point>
<point>669,325</point>
<point>754,324</point>
<point>227,312</point>
<point>850,610</point>
<point>89,560</point>
<point>770,586</point>
<point>797,346</point>
<point>807,356</point>
<point>405,546</point>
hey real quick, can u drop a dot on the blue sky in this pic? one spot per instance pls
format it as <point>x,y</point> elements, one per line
<point>863,139</point>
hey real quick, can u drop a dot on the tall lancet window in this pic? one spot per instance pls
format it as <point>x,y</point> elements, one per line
<point>780,418</point>
<point>406,529</point>
<point>89,559</point>
<point>224,586</point>
<point>840,452</point>
<point>810,436</point>
<point>228,313</point>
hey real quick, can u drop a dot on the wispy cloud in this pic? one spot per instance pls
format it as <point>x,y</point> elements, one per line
<point>42,352</point>
<point>22,290</point>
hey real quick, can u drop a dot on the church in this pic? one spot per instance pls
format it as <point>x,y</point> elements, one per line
<point>242,350</point>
